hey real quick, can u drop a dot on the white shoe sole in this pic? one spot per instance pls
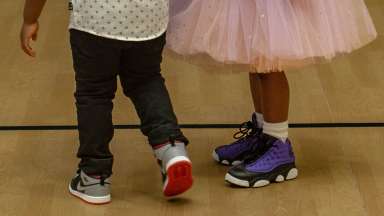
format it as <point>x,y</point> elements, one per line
<point>90,199</point>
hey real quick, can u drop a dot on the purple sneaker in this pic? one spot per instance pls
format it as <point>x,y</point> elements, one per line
<point>272,161</point>
<point>236,152</point>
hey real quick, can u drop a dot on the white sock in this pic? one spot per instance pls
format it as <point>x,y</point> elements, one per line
<point>259,119</point>
<point>277,130</point>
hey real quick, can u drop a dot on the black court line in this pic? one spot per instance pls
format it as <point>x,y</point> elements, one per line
<point>193,126</point>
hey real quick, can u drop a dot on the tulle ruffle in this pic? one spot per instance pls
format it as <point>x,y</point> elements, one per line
<point>268,35</point>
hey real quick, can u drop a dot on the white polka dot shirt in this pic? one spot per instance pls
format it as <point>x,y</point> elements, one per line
<point>128,20</point>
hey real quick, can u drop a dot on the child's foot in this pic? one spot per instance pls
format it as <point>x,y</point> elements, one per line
<point>236,152</point>
<point>273,161</point>
<point>176,168</point>
<point>93,190</point>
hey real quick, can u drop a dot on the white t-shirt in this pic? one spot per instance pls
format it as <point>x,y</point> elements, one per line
<point>128,20</point>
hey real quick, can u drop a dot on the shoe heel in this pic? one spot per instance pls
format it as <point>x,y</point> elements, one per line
<point>179,178</point>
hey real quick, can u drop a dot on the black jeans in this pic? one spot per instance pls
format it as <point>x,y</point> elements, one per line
<point>97,63</point>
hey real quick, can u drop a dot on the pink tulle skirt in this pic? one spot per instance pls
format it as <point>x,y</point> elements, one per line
<point>268,35</point>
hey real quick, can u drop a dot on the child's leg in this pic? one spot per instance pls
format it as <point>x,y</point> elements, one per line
<point>143,83</point>
<point>275,104</point>
<point>275,95</point>
<point>235,152</point>
<point>256,90</point>
<point>96,65</point>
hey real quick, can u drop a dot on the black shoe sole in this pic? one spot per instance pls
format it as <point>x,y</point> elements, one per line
<point>279,174</point>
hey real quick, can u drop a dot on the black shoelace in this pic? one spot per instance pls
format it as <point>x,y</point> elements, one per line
<point>246,130</point>
<point>102,179</point>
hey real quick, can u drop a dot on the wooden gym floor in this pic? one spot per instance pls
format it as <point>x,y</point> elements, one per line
<point>341,169</point>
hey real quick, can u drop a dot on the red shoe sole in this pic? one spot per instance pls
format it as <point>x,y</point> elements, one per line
<point>179,178</point>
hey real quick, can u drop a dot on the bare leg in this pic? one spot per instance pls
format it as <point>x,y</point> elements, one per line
<point>275,97</point>
<point>255,83</point>
<point>277,153</point>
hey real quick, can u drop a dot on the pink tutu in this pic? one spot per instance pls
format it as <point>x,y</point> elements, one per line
<point>268,35</point>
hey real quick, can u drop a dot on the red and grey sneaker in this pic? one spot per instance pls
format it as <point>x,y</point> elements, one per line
<point>91,189</point>
<point>176,168</point>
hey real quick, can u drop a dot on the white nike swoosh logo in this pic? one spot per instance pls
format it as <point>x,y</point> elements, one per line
<point>81,188</point>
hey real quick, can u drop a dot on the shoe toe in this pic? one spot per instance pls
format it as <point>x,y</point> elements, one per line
<point>239,171</point>
<point>215,156</point>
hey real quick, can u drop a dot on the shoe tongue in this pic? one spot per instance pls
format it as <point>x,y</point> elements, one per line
<point>270,140</point>
<point>263,146</point>
<point>95,176</point>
